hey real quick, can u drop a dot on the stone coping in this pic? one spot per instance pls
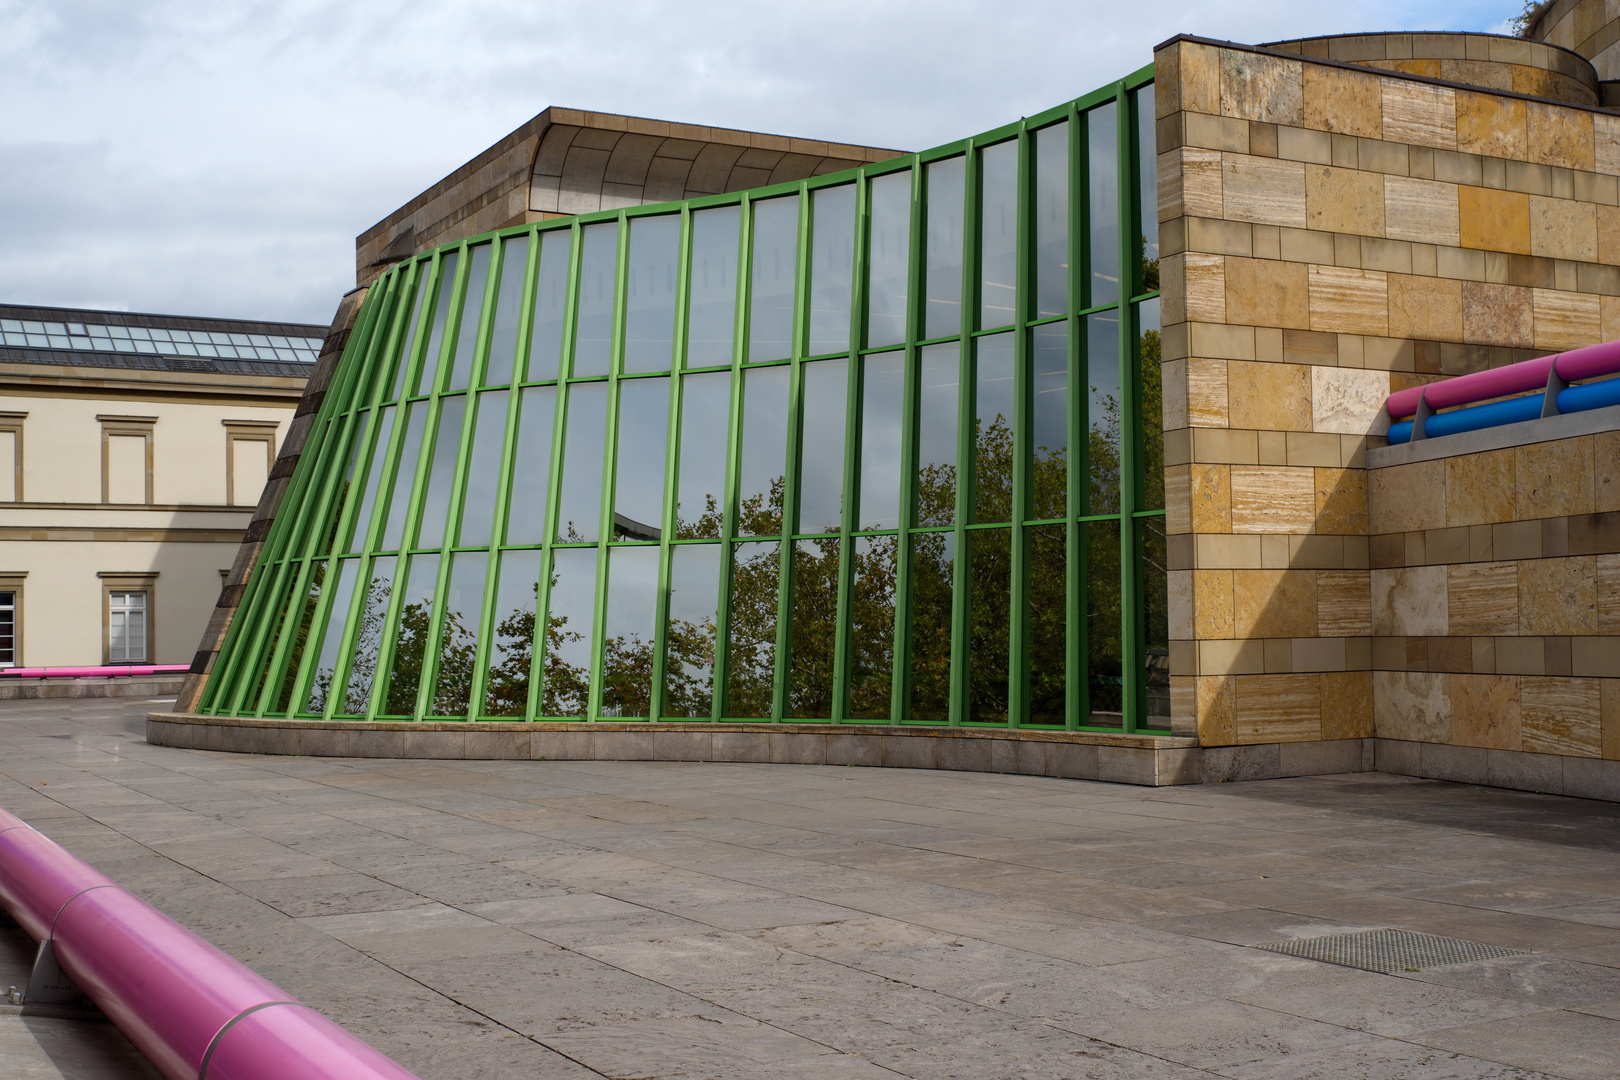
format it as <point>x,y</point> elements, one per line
<point>1545,429</point>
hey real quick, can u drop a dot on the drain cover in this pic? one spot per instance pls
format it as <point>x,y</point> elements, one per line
<point>1390,951</point>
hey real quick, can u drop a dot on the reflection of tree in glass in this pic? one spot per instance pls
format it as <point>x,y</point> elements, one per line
<point>815,628</point>
<point>367,642</point>
<point>300,641</point>
<point>932,559</point>
<point>410,646</point>
<point>871,602</point>
<point>990,610</point>
<point>1150,269</point>
<point>993,470</point>
<point>458,652</point>
<point>1048,624</point>
<point>706,526</point>
<point>1104,661</point>
<point>566,690</point>
<point>506,690</point>
<point>689,667</point>
<point>751,658</point>
<point>1152,438</point>
<point>1104,451</point>
<point>627,663</point>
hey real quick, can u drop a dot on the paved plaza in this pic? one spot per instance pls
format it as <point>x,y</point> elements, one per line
<point>659,920</point>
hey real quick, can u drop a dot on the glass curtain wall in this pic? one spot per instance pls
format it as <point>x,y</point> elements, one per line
<point>878,447</point>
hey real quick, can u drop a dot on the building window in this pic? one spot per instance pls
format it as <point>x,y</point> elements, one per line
<point>10,620</point>
<point>250,450</point>
<point>127,628</point>
<point>126,458</point>
<point>11,456</point>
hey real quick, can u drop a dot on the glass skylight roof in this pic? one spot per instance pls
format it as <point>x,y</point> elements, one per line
<point>99,337</point>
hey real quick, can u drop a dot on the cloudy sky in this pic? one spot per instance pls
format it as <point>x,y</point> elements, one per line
<point>218,157</point>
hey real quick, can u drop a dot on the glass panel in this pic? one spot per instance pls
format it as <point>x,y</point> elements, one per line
<point>550,301</point>
<point>942,314</point>
<point>933,563</point>
<point>331,640</point>
<point>511,649</point>
<point>630,631</point>
<point>764,452</point>
<point>815,628</point>
<point>411,319</point>
<point>411,637</point>
<point>404,475</point>
<point>368,497</point>
<point>458,643</point>
<point>593,327</point>
<point>508,307</point>
<point>694,589</point>
<point>871,654</point>
<point>882,408</point>
<point>993,423</point>
<point>751,657</point>
<point>705,421</point>
<point>638,499</point>
<point>712,314</point>
<point>832,267</point>
<point>1048,577</point>
<point>1152,557</point>
<point>1104,686</point>
<point>1151,398</point>
<point>1102,134</point>
<point>649,300</point>
<point>471,306</point>
<point>484,470</point>
<point>1102,376</point>
<point>1049,419</point>
<point>889,256</point>
<point>1147,191</point>
<point>531,466</point>
<point>939,375</point>
<point>771,279</point>
<point>289,608</point>
<point>442,472</point>
<point>989,624</point>
<point>1051,213</point>
<point>821,453</point>
<point>570,620</point>
<point>579,506</point>
<point>368,638</point>
<point>998,234</point>
<point>427,377</point>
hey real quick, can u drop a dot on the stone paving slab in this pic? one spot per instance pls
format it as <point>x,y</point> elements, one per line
<point>576,919</point>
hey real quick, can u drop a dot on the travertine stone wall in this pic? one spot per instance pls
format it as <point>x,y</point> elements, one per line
<point>1589,27</point>
<point>1496,598</point>
<point>1331,234</point>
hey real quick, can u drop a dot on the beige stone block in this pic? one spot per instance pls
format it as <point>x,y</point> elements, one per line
<point>1560,136</point>
<point>1497,315</point>
<point>1231,657</point>
<point>1422,211</point>
<point>1419,115</point>
<point>1173,288</point>
<point>1609,694</point>
<point>1210,496</point>
<point>1425,308</point>
<point>1565,320</point>
<point>1263,190</point>
<point>1606,470</point>
<point>1485,711</point>
<point>1558,596</point>
<point>1221,342</point>
<point>1177,500</point>
<point>1206,393</point>
<point>1179,604</point>
<point>1344,200</point>
<point>1255,86</point>
<point>1491,125</point>
<point>1414,706</point>
<point>1216,133</point>
<point>1349,401</point>
<point>1173,394</point>
<point>1303,245</point>
<point>1199,86</point>
<point>1343,603</point>
<point>1310,448</point>
<point>1610,309</point>
<point>1347,705</point>
<point>1278,708</point>
<point>1274,397</point>
<point>1606,143</point>
<point>1222,237</point>
<point>1349,301</point>
<point>1217,711</point>
<point>1493,220</point>
<point>1200,182</point>
<point>1409,601</point>
<point>1608,594</point>
<point>1482,599</point>
<point>1262,292</point>
<point>1406,498</point>
<point>1479,488</point>
<point>1273,499</point>
<point>1341,501</point>
<point>1212,604</point>
<point>1553,479</point>
<point>1223,446</point>
<point>1343,101</point>
<point>1274,603</point>
<point>1561,715</point>
<point>1563,229</point>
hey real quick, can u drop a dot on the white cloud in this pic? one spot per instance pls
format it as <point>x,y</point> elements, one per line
<point>219,159</point>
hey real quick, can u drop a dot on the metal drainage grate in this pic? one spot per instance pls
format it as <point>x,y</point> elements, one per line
<point>1390,951</point>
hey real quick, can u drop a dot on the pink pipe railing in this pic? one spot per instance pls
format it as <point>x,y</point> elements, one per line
<point>193,1011</point>
<point>1573,366</point>
<point>104,672</point>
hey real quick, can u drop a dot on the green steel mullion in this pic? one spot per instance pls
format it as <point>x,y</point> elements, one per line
<point>604,534</point>
<point>1078,676</point>
<point>916,301</point>
<point>430,648</point>
<point>790,492</point>
<point>961,611</point>
<point>1129,407</point>
<point>299,572</point>
<point>486,312</point>
<point>728,519</point>
<point>452,320</point>
<point>253,639</point>
<point>411,363</point>
<point>672,447</point>
<point>843,635</point>
<point>1023,443</point>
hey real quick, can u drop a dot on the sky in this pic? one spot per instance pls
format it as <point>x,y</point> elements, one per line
<point>219,157</point>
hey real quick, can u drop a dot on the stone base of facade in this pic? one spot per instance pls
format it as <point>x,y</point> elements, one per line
<point>35,689</point>
<point>1552,774</point>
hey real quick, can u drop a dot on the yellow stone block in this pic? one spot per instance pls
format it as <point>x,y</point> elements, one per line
<point>1273,499</point>
<point>1560,715</point>
<point>1347,705</point>
<point>1274,603</point>
<point>1278,708</point>
<point>1497,315</point>
<point>1212,604</point>
<point>1493,220</point>
<point>1559,135</point>
<point>1344,200</point>
<point>1210,498</point>
<point>1267,396</point>
<point>1422,211</point>
<point>1262,292</point>
<point>1563,229</point>
<point>1566,320</point>
<point>1425,308</point>
<point>1485,711</point>
<point>1419,114</point>
<point>1263,190</point>
<point>1341,502</point>
<point>1343,101</point>
<point>1343,603</point>
<point>1200,79</point>
<point>1349,301</point>
<point>1491,125</point>
<point>1206,393</point>
<point>1482,599</point>
<point>1264,88</point>
<point>1608,235</point>
<point>1406,498</point>
<point>1177,500</point>
<point>1553,479</point>
<point>1205,287</point>
<point>1217,711</point>
<point>1558,596</point>
<point>1606,470</point>
<point>1479,488</point>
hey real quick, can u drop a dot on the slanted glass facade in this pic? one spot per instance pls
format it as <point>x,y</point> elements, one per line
<point>878,447</point>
